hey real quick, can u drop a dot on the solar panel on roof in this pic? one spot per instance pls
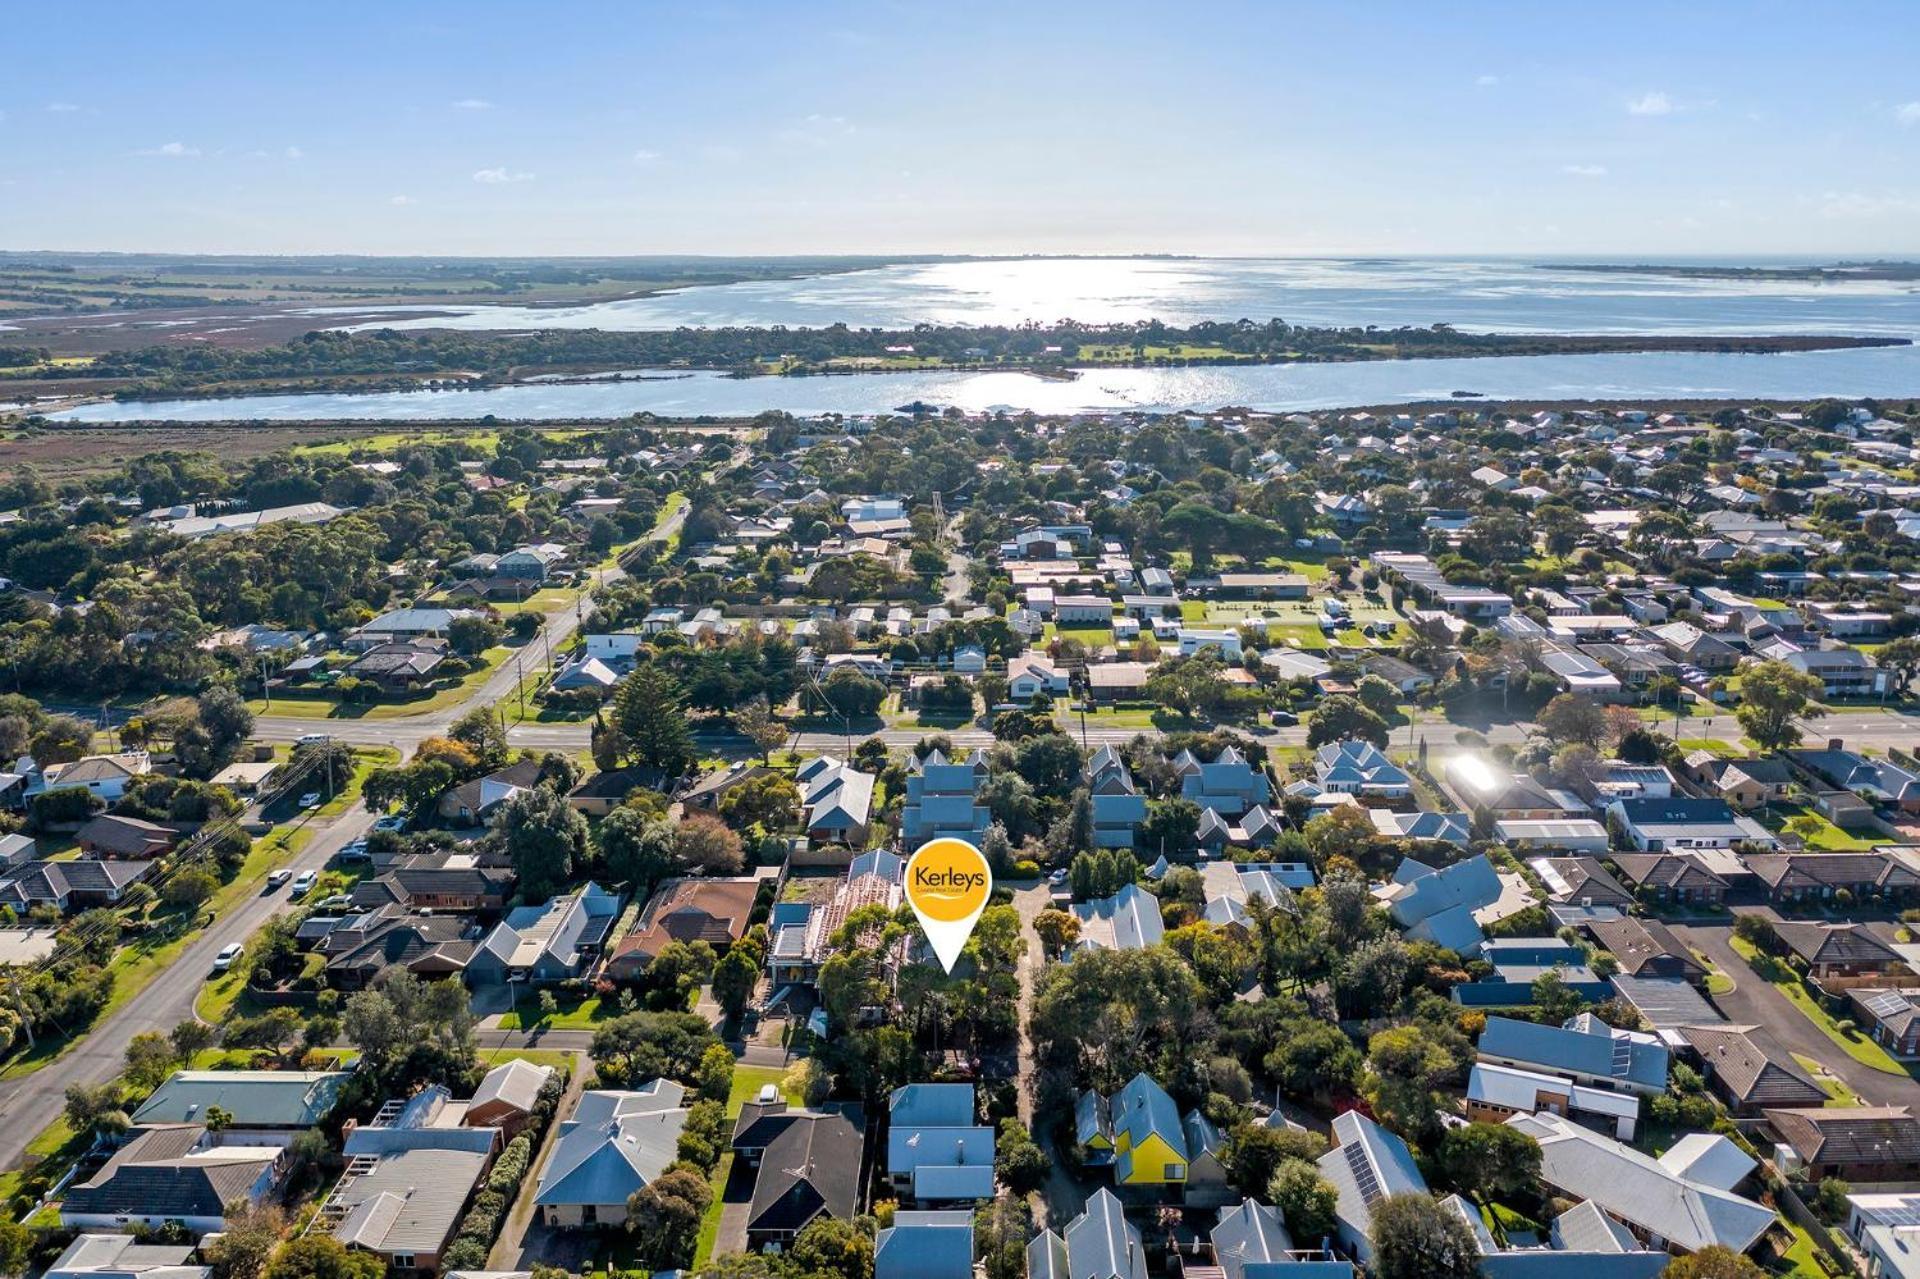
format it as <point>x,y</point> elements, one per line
<point>1889,1004</point>
<point>1362,1168</point>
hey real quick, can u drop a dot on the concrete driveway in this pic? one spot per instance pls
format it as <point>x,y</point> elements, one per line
<point>1754,1002</point>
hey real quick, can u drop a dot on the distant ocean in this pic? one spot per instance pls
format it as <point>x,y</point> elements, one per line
<point>1490,295</point>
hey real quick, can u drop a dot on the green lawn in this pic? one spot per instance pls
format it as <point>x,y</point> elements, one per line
<point>319,705</point>
<point>1855,1045</point>
<point>1838,1094</point>
<point>574,1014</point>
<point>1826,838</point>
<point>538,1056</point>
<point>1726,750</point>
<point>749,1080</point>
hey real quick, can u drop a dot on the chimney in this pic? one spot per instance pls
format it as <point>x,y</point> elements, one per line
<point>1836,744</point>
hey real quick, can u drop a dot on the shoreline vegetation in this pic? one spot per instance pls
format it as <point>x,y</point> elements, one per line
<point>1837,273</point>
<point>389,360</point>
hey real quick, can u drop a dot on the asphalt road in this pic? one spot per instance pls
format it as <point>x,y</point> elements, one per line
<point>28,1105</point>
<point>1754,1002</point>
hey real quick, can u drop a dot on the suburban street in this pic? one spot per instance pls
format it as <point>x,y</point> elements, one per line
<point>1754,1002</point>
<point>27,1105</point>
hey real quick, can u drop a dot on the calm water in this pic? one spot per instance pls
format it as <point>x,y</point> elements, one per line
<point>1888,372</point>
<point>1483,295</point>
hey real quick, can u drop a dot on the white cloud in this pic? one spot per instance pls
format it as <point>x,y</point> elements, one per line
<point>1652,102</point>
<point>172,150</point>
<point>402,200</point>
<point>295,153</point>
<point>1907,113</point>
<point>61,108</point>
<point>1585,170</point>
<point>1846,205</point>
<point>818,130</point>
<point>494,177</point>
<point>644,156</point>
<point>473,104</point>
<point>1487,81</point>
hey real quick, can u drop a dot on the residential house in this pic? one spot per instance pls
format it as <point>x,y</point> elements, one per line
<point>1128,920</point>
<point>400,666</point>
<point>71,885</point>
<point>1590,1053</point>
<point>1842,672</point>
<point>713,911</point>
<point>1229,785</point>
<point>1097,1244</point>
<point>1749,1068</point>
<point>1360,768</point>
<point>614,1145</point>
<point>454,880</point>
<point>1857,1143</point>
<point>1119,809</point>
<point>1573,834</point>
<point>406,1186</point>
<point>925,1245</point>
<point>1892,1016</point>
<point>810,1168</point>
<point>1838,950</point>
<point>1448,828</point>
<point>1677,877</point>
<point>1581,881</point>
<point>1743,783</point>
<point>1367,1164</point>
<point>1646,948</point>
<point>1518,962</point>
<point>936,1152</point>
<point>1495,1093</point>
<point>508,1096</point>
<point>255,1100</point>
<point>837,801</point>
<point>545,944</point>
<point>118,1256</point>
<point>1882,1227</point>
<point>1675,824</point>
<point>1137,1132</point>
<point>941,801</point>
<point>364,946</point>
<point>1877,781</point>
<point>1682,1201</point>
<point>109,837</point>
<point>1109,682</point>
<point>471,802</point>
<point>1437,905</point>
<point>1796,877</point>
<point>105,777</point>
<point>1030,675</point>
<point>184,1173</point>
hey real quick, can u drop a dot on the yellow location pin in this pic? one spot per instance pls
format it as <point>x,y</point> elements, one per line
<point>948,882</point>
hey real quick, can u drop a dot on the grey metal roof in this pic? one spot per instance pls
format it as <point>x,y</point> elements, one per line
<point>255,1098</point>
<point>409,1202</point>
<point>925,1245</point>
<point>616,1143</point>
<point>1641,1190</point>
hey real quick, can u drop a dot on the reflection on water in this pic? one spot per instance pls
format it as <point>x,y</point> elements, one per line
<point>1886,372</point>
<point>1482,295</point>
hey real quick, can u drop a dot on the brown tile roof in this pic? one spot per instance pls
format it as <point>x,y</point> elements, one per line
<point>1850,1134</point>
<point>1642,945</point>
<point>689,910</point>
<point>1751,1067</point>
<point>1849,944</point>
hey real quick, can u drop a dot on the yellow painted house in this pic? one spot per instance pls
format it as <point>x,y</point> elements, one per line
<point>1137,1131</point>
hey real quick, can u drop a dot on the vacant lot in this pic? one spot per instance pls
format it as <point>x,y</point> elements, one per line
<point>70,451</point>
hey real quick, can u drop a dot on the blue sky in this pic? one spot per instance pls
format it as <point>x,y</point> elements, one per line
<point>819,127</point>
